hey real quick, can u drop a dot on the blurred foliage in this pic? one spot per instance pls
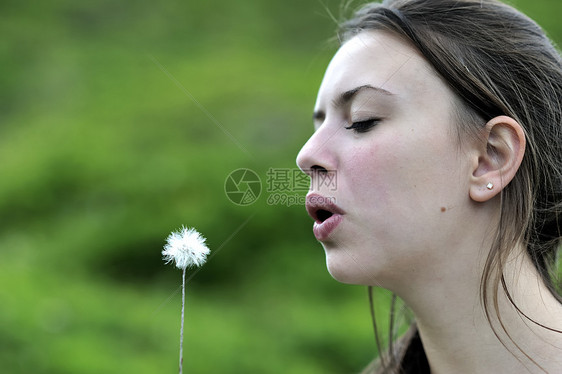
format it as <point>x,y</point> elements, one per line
<point>119,122</point>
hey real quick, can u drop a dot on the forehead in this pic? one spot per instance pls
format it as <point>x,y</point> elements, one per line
<point>383,60</point>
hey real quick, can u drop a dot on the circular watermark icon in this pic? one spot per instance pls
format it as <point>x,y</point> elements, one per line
<point>242,186</point>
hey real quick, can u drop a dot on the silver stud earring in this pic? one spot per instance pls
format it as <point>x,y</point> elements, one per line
<point>490,186</point>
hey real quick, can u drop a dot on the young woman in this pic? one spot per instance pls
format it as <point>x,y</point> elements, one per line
<point>442,122</point>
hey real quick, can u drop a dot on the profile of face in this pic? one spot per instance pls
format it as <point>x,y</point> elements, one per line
<point>385,124</point>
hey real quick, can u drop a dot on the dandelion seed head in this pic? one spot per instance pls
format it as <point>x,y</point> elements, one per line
<point>186,248</point>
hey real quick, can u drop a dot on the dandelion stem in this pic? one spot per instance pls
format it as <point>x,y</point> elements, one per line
<point>182,317</point>
<point>186,248</point>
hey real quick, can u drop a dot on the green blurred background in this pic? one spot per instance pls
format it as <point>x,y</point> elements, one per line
<point>117,122</point>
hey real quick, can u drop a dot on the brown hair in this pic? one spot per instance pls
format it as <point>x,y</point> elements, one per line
<point>498,62</point>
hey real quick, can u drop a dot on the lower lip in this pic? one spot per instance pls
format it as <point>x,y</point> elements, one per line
<point>323,230</point>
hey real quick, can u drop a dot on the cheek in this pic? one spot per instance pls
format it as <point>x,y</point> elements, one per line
<point>372,172</point>
<point>397,179</point>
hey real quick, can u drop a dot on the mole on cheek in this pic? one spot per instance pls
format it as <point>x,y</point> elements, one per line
<point>443,209</point>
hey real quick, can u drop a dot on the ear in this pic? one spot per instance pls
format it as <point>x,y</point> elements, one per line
<point>498,157</point>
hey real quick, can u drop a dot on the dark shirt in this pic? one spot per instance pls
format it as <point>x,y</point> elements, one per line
<point>414,360</point>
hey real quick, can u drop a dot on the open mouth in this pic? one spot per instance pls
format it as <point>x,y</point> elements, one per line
<point>322,209</point>
<point>322,214</point>
<point>326,214</point>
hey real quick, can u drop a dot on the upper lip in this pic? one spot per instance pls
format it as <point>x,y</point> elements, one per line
<point>320,207</point>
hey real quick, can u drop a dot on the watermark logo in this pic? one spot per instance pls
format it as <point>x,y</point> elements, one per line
<point>285,186</point>
<point>242,187</point>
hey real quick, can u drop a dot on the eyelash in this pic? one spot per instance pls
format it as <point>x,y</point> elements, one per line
<point>363,126</point>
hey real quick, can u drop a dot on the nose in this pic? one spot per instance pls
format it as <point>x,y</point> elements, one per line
<point>318,153</point>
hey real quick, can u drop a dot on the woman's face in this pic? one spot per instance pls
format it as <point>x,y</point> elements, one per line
<point>385,129</point>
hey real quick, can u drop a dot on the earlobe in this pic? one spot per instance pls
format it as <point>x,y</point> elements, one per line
<point>497,157</point>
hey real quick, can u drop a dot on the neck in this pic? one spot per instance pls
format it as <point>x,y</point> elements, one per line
<point>459,337</point>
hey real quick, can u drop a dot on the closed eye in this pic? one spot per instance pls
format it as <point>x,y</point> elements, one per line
<point>363,126</point>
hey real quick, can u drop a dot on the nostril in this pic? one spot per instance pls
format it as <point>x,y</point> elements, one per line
<point>317,169</point>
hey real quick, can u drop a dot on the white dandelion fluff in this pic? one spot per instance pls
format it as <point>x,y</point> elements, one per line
<point>186,248</point>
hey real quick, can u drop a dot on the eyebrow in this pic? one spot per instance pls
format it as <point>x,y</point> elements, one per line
<point>346,96</point>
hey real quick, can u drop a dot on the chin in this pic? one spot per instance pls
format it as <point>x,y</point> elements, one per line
<point>357,266</point>
<point>346,270</point>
